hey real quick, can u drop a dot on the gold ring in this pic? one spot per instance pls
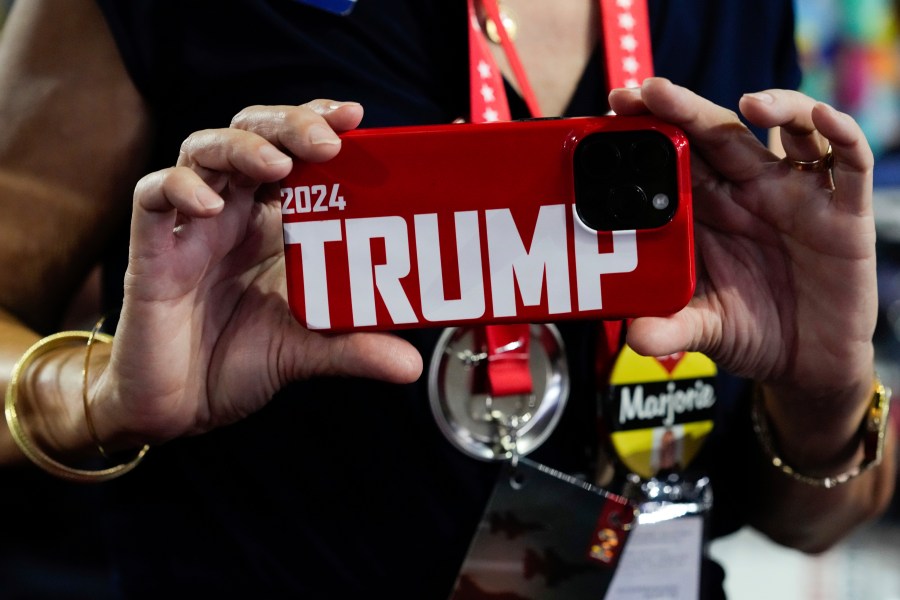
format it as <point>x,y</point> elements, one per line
<point>820,165</point>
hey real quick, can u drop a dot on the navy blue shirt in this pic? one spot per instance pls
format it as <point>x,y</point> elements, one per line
<point>343,487</point>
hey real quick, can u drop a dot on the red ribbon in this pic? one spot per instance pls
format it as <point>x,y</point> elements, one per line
<point>626,40</point>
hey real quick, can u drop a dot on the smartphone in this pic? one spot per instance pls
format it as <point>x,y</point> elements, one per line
<point>520,221</point>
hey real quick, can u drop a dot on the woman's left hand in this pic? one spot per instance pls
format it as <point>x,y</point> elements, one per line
<point>786,290</point>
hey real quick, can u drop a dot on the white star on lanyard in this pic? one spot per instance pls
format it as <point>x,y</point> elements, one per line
<point>490,115</point>
<point>628,43</point>
<point>623,3</point>
<point>484,69</point>
<point>630,65</point>
<point>632,83</point>
<point>487,92</point>
<point>626,21</point>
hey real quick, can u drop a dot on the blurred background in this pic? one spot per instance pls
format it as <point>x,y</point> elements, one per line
<point>850,53</point>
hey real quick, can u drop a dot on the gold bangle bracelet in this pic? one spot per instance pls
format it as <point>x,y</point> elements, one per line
<point>24,441</point>
<point>106,339</point>
<point>871,435</point>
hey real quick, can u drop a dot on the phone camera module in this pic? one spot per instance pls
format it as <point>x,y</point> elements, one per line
<point>625,180</point>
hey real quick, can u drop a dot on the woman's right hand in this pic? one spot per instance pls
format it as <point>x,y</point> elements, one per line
<point>205,336</point>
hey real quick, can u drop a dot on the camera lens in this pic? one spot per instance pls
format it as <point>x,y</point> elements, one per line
<point>599,158</point>
<point>627,203</point>
<point>650,156</point>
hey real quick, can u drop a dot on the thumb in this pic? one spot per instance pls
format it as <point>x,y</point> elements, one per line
<point>380,356</point>
<point>660,336</point>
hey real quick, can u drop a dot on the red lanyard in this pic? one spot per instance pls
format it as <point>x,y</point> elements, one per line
<point>487,94</point>
<point>626,41</point>
<point>626,38</point>
<point>625,30</point>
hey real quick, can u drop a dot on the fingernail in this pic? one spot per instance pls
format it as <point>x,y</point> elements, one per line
<point>830,109</point>
<point>319,134</point>
<point>337,105</point>
<point>763,97</point>
<point>273,156</point>
<point>208,198</point>
<point>324,109</point>
<point>631,91</point>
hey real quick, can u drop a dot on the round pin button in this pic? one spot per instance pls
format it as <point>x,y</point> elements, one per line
<point>483,426</point>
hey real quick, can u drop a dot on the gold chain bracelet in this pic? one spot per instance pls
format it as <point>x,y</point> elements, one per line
<point>872,433</point>
<point>24,441</point>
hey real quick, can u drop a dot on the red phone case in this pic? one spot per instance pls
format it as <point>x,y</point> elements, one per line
<point>478,223</point>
